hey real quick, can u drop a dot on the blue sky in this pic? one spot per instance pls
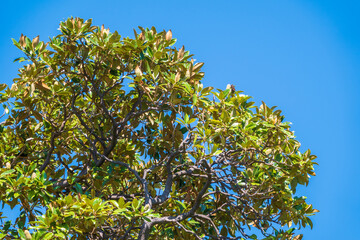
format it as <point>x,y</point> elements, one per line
<point>302,56</point>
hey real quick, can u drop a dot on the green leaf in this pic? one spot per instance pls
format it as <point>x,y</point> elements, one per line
<point>135,204</point>
<point>22,234</point>
<point>186,119</point>
<point>253,236</point>
<point>48,236</point>
<point>19,59</point>
<point>78,188</point>
<point>16,44</point>
<point>8,172</point>
<point>7,225</point>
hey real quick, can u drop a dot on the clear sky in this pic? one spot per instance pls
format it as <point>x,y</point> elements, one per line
<point>302,56</point>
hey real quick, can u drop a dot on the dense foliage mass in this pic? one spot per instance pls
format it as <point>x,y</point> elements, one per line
<point>106,137</point>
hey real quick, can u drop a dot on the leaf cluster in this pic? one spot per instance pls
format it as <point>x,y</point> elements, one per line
<point>117,138</point>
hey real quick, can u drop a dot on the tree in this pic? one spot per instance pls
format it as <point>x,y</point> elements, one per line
<point>117,138</point>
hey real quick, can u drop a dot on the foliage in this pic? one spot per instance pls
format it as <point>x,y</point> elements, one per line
<point>116,138</point>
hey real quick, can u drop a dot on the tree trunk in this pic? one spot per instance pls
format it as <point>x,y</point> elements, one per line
<point>144,231</point>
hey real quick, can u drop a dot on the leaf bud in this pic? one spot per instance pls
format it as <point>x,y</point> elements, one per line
<point>141,36</point>
<point>146,208</point>
<point>8,165</point>
<point>181,52</point>
<point>22,40</point>
<point>138,71</point>
<point>177,77</point>
<point>27,234</point>
<point>168,36</point>
<point>35,41</point>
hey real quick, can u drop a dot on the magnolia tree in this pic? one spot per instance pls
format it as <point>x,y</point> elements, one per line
<point>106,137</point>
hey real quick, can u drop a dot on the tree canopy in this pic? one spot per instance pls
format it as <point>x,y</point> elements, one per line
<point>105,137</point>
